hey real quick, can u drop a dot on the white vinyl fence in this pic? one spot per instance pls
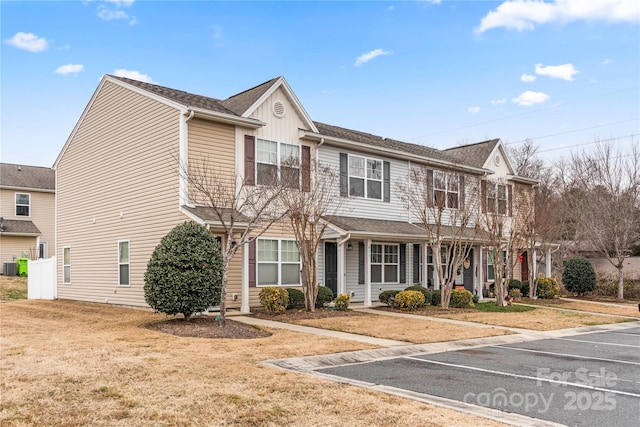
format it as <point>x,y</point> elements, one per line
<point>41,283</point>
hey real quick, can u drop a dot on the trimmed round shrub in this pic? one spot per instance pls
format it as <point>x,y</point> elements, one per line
<point>524,288</point>
<point>515,294</point>
<point>548,288</point>
<point>578,276</point>
<point>296,298</point>
<point>387,297</point>
<point>342,302</point>
<point>409,300</point>
<point>274,299</point>
<point>426,292</point>
<point>461,298</point>
<point>325,296</point>
<point>514,284</point>
<point>435,297</point>
<point>184,274</point>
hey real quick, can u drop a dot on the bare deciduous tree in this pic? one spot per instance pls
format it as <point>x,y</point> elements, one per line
<point>449,219</point>
<point>242,212</point>
<point>309,210</point>
<point>607,202</point>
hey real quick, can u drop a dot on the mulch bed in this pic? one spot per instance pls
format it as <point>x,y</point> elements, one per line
<point>207,327</point>
<point>293,315</point>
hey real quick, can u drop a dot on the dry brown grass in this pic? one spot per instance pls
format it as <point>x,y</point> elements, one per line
<point>539,319</point>
<point>13,288</point>
<point>73,364</point>
<point>622,309</point>
<point>417,331</point>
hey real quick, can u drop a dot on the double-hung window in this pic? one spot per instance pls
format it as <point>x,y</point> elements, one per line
<point>446,189</point>
<point>496,198</point>
<point>491,263</point>
<point>365,177</point>
<point>277,162</point>
<point>385,263</point>
<point>278,262</point>
<point>123,263</point>
<point>66,265</point>
<point>23,204</point>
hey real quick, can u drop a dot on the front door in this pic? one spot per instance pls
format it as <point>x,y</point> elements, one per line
<point>467,272</point>
<point>331,266</point>
<point>524,267</point>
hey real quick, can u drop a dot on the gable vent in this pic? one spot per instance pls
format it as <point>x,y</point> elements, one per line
<point>278,109</point>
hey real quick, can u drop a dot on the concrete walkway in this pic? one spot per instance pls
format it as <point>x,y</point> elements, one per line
<point>610,304</point>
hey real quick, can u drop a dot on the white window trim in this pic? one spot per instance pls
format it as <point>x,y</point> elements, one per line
<point>44,245</point>
<point>365,178</point>
<point>128,242</point>
<point>446,176</point>
<point>494,207</point>
<point>64,248</point>
<point>489,256</point>
<point>383,264</point>
<point>278,153</point>
<point>279,262</point>
<point>15,201</point>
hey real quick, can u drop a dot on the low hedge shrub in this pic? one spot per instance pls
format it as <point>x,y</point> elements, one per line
<point>426,292</point>
<point>296,298</point>
<point>409,300</point>
<point>273,299</point>
<point>461,298</point>
<point>342,302</point>
<point>387,297</point>
<point>325,296</point>
<point>548,288</point>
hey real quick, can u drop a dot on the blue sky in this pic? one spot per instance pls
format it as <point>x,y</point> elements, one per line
<point>439,73</point>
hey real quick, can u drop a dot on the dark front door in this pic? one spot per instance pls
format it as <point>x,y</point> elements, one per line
<point>524,267</point>
<point>467,272</point>
<point>331,266</point>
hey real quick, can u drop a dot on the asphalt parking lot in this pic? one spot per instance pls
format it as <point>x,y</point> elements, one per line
<point>585,379</point>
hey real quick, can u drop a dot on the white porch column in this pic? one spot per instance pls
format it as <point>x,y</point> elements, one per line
<point>342,273</point>
<point>367,273</point>
<point>425,268</point>
<point>480,273</point>
<point>535,263</point>
<point>547,262</point>
<point>244,307</point>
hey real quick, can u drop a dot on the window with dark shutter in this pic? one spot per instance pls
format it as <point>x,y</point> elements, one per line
<point>306,168</point>
<point>387,181</point>
<point>416,263</point>
<point>344,175</point>
<point>252,264</point>
<point>403,263</point>
<point>483,195</point>
<point>249,160</point>
<point>361,263</point>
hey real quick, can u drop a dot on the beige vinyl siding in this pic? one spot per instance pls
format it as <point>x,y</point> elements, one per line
<point>116,180</point>
<point>213,141</point>
<point>15,246</point>
<point>282,129</point>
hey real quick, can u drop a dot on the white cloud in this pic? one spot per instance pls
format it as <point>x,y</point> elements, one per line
<point>69,69</point>
<point>370,55</point>
<point>607,61</point>
<point>523,15</point>
<point>498,101</point>
<point>527,78</point>
<point>564,72</point>
<point>473,110</point>
<point>28,41</point>
<point>529,98</point>
<point>132,74</point>
<point>114,11</point>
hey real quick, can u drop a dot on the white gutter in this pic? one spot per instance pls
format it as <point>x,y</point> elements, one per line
<point>402,154</point>
<point>347,237</point>
<point>183,156</point>
<point>35,190</point>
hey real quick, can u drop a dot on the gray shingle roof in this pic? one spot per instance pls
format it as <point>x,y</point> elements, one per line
<point>241,102</point>
<point>475,155</point>
<point>179,96</point>
<point>23,176</point>
<point>207,214</point>
<point>14,226</point>
<point>378,141</point>
<point>375,226</point>
<point>238,104</point>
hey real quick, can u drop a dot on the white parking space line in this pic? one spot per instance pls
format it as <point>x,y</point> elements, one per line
<point>528,377</point>
<point>624,333</point>
<point>598,342</point>
<point>601,359</point>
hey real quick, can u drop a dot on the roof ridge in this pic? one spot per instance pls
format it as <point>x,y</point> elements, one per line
<point>253,88</point>
<point>126,80</point>
<point>472,144</point>
<point>25,165</point>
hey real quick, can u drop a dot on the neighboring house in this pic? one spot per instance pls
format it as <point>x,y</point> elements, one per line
<point>27,212</point>
<point>119,192</point>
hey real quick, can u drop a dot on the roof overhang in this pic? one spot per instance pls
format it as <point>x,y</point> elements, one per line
<point>9,233</point>
<point>191,213</point>
<point>318,137</point>
<point>522,179</point>
<point>39,190</point>
<point>225,118</point>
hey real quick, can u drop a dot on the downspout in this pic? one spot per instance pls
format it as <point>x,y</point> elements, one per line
<point>183,156</point>
<point>342,271</point>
